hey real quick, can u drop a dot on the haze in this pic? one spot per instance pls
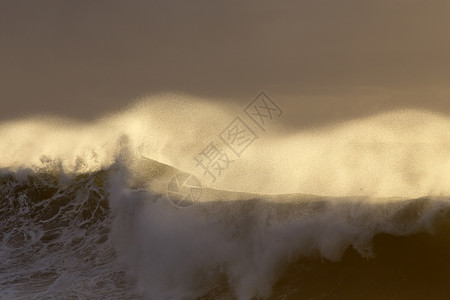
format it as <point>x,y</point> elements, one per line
<point>324,61</point>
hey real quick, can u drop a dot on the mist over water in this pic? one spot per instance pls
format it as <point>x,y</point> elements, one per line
<point>398,153</point>
<point>332,185</point>
<point>85,211</point>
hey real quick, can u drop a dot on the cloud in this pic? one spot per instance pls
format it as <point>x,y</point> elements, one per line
<point>82,58</point>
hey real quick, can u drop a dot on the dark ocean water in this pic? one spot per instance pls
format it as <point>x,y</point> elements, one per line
<point>102,235</point>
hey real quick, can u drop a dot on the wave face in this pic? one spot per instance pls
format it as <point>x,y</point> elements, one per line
<point>54,234</point>
<point>96,236</point>
<point>84,215</point>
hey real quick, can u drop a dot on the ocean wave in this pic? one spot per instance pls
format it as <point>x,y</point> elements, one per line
<point>107,234</point>
<point>402,153</point>
<point>324,213</point>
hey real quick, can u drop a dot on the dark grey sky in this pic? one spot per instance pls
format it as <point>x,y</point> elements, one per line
<point>325,60</point>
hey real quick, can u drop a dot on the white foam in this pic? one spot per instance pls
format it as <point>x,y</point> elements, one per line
<point>182,253</point>
<point>400,153</point>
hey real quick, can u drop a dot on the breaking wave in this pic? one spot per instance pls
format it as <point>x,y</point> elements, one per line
<point>85,215</point>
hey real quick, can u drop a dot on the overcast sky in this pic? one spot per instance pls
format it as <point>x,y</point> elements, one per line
<point>323,60</point>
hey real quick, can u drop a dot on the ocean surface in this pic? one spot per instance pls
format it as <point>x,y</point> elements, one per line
<point>98,236</point>
<point>90,211</point>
